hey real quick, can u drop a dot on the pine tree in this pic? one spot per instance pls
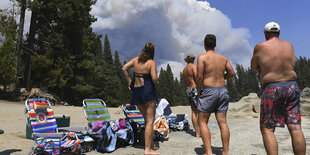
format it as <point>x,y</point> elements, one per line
<point>161,88</point>
<point>232,91</point>
<point>8,29</point>
<point>241,80</point>
<point>65,60</point>
<point>123,93</point>
<point>111,82</point>
<point>183,96</point>
<point>7,59</point>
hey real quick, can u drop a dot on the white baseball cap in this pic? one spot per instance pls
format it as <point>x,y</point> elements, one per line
<point>272,27</point>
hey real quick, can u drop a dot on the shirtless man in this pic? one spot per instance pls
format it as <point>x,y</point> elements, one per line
<point>274,60</point>
<point>211,67</point>
<point>189,76</point>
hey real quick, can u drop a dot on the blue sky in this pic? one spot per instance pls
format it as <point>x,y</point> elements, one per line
<point>293,17</point>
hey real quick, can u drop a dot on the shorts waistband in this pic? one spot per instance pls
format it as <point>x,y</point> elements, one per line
<point>282,83</point>
<point>216,87</point>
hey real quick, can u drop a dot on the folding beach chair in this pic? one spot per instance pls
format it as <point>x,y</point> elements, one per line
<point>48,139</point>
<point>96,110</point>
<point>101,128</point>
<point>132,112</point>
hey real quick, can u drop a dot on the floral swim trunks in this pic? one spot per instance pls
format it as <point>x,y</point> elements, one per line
<point>192,95</point>
<point>280,104</point>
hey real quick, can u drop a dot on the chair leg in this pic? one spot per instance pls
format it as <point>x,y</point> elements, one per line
<point>36,146</point>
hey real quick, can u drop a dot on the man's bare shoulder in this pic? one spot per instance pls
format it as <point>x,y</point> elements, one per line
<point>220,55</point>
<point>191,65</point>
<point>259,46</point>
<point>287,43</point>
<point>202,56</point>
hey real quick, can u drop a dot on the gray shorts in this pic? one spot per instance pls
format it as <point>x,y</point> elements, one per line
<point>213,99</point>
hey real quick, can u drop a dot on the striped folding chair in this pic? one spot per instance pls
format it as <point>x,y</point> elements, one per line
<point>101,127</point>
<point>43,123</point>
<point>132,111</point>
<point>95,110</point>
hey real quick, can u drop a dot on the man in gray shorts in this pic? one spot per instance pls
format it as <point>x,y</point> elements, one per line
<point>211,68</point>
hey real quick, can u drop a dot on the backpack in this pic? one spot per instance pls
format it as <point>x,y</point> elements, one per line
<point>137,130</point>
<point>106,138</point>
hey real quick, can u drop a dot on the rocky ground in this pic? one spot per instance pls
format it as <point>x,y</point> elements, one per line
<point>245,136</point>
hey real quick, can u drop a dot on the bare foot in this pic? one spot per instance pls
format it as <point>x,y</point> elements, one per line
<point>151,152</point>
<point>198,135</point>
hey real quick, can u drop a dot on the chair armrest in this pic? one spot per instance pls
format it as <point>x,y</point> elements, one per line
<point>73,129</point>
<point>49,134</point>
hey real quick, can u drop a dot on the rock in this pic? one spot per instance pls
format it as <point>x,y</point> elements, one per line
<point>251,99</point>
<point>64,103</point>
<point>256,107</point>
<point>305,93</point>
<point>248,105</point>
<point>305,106</point>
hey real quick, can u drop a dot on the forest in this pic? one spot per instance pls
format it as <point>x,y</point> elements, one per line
<point>62,55</point>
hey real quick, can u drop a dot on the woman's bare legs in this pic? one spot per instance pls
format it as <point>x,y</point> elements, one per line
<point>148,113</point>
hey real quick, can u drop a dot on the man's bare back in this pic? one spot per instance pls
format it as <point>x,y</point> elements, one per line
<point>213,66</point>
<point>189,75</point>
<point>274,60</point>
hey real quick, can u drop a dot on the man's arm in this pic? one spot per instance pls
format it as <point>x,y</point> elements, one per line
<point>200,70</point>
<point>229,71</point>
<point>254,62</point>
<point>194,69</point>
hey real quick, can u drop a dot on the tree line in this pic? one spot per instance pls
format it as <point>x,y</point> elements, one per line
<point>62,55</point>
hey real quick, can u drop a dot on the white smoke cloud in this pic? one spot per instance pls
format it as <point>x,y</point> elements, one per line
<point>177,27</point>
<point>176,67</point>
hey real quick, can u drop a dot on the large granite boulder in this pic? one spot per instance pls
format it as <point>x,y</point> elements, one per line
<point>305,106</point>
<point>305,93</point>
<point>250,103</point>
